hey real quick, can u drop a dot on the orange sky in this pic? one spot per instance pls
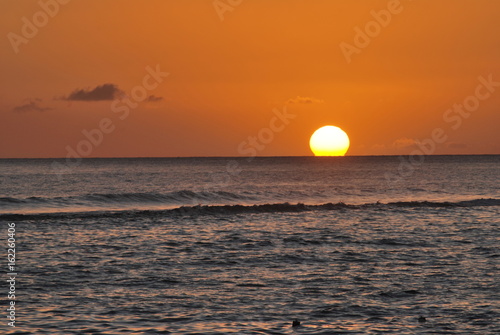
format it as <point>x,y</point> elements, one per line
<point>228,79</point>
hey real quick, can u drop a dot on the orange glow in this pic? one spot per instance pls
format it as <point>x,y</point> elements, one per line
<point>227,76</point>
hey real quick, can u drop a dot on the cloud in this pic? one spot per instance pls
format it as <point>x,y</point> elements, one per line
<point>99,93</point>
<point>304,100</point>
<point>153,98</point>
<point>403,142</point>
<point>32,105</point>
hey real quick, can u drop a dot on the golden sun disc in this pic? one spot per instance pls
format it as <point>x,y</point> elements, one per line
<point>329,141</point>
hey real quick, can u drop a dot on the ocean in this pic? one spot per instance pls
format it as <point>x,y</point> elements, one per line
<point>345,245</point>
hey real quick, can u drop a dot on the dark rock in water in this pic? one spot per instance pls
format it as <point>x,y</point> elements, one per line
<point>295,323</point>
<point>422,319</point>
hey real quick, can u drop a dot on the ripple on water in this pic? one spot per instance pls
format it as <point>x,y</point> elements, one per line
<point>336,273</point>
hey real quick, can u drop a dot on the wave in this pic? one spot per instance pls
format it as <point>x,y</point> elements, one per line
<point>100,200</point>
<point>200,210</point>
<point>466,203</point>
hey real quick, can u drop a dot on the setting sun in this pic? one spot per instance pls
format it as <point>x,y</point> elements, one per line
<point>329,141</point>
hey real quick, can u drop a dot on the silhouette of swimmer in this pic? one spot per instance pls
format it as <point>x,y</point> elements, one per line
<point>295,323</point>
<point>422,319</point>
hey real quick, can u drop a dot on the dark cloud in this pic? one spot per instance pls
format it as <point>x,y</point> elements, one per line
<point>32,105</point>
<point>304,100</point>
<point>153,98</point>
<point>99,93</point>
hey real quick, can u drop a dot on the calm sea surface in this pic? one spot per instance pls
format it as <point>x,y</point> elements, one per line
<point>350,245</point>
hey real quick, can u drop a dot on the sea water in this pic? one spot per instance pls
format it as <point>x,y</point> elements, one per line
<point>347,245</point>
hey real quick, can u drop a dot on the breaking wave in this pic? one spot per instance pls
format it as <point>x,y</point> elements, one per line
<point>103,200</point>
<point>223,209</point>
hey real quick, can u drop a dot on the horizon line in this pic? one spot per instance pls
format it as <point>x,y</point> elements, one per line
<point>242,157</point>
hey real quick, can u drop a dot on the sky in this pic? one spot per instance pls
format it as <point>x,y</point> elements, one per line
<point>175,78</point>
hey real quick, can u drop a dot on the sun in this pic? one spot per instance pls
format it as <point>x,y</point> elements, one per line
<point>329,141</point>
